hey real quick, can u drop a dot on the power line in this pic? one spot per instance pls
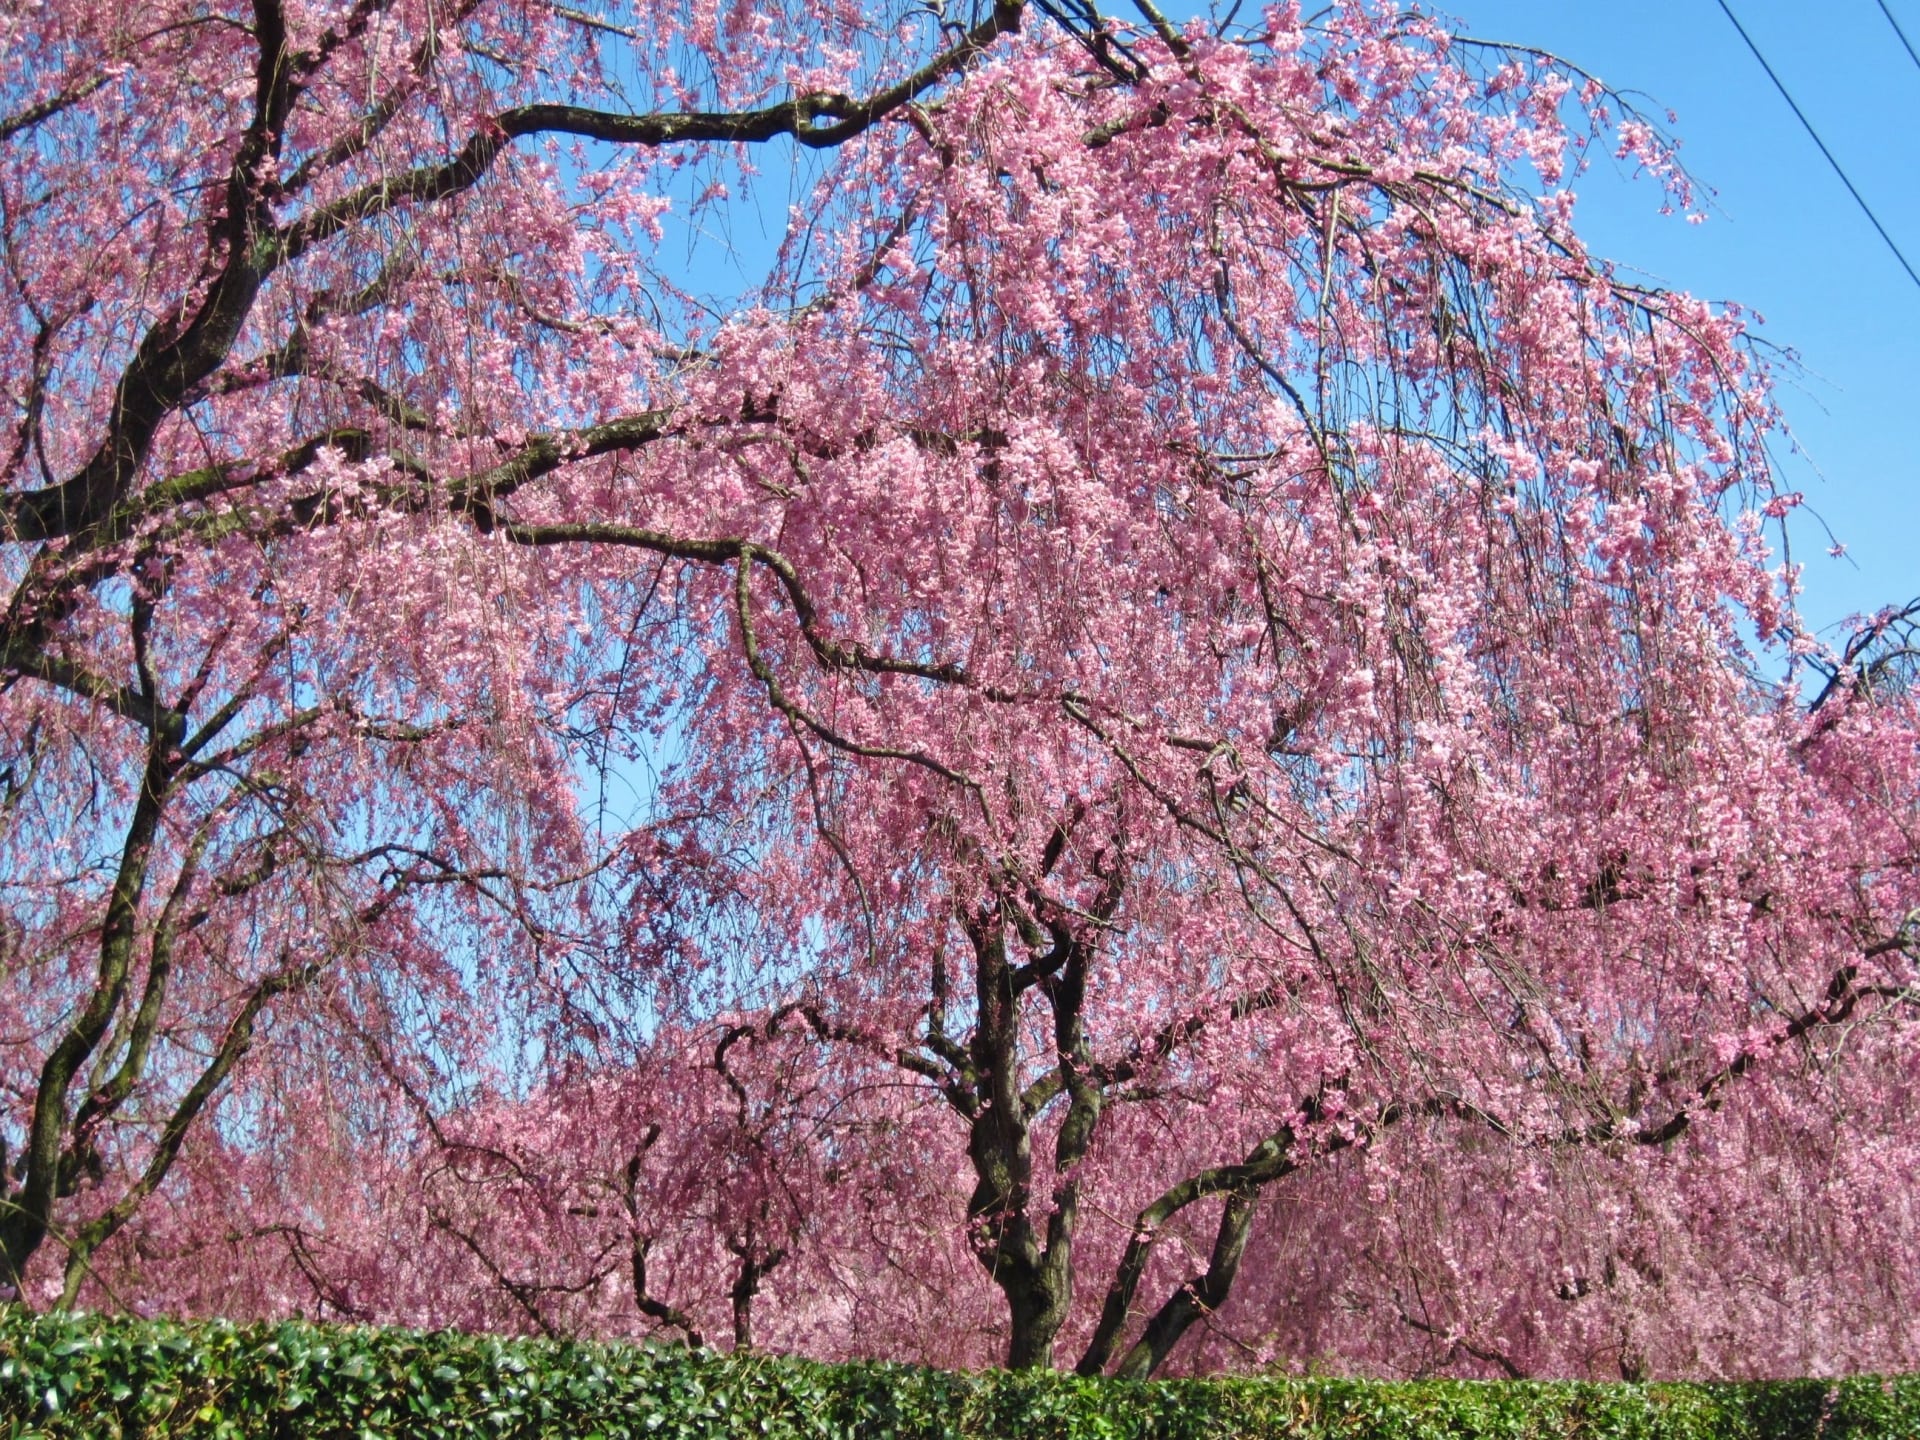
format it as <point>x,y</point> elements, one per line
<point>1898,31</point>
<point>1807,125</point>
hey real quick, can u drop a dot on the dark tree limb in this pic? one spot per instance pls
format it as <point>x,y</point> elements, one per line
<point>181,351</point>
<point>233,1046</point>
<point>28,1211</point>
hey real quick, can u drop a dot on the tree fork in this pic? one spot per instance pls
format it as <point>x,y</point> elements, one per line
<point>29,1208</point>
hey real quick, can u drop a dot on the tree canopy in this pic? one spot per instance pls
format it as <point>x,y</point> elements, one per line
<point>1180,697</point>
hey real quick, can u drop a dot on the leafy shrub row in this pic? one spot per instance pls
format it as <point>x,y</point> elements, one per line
<point>95,1377</point>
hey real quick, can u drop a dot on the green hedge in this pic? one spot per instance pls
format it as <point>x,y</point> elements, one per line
<point>93,1377</point>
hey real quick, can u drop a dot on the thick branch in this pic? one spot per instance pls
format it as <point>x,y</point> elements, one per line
<point>22,657</point>
<point>644,1300</point>
<point>1842,997</point>
<point>818,120</point>
<point>1201,1295</point>
<point>110,1095</point>
<point>1267,1161</point>
<point>233,1046</point>
<point>29,1211</point>
<point>46,109</point>
<point>180,352</point>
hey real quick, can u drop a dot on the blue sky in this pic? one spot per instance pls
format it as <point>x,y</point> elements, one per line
<point>1783,235</point>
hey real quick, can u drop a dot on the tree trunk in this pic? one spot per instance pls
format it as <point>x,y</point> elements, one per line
<point>1036,1317</point>
<point>1000,1147</point>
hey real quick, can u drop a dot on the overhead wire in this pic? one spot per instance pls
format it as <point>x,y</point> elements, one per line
<point>1898,31</point>
<point>1807,125</point>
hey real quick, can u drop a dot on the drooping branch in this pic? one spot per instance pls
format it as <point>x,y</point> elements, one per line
<point>369,126</point>
<point>746,555</point>
<point>1279,1155</point>
<point>829,1031</point>
<point>1843,996</point>
<point>1150,1053</point>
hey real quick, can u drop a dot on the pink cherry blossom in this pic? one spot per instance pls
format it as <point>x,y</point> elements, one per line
<point>1181,739</point>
